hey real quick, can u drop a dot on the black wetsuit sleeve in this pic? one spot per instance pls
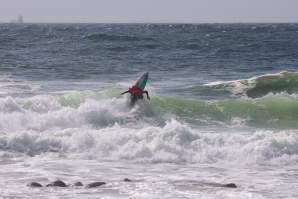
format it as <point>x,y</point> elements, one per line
<point>125,92</point>
<point>146,93</point>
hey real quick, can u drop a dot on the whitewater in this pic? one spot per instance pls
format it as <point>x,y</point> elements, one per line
<point>223,109</point>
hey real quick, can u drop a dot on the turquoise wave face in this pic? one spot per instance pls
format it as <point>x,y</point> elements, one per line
<point>271,111</point>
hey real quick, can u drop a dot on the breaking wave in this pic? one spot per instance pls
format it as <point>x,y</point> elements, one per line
<point>99,125</point>
<point>261,85</point>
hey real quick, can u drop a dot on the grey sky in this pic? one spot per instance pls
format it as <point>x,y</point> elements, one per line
<point>150,11</point>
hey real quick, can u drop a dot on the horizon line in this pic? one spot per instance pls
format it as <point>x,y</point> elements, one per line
<point>150,23</point>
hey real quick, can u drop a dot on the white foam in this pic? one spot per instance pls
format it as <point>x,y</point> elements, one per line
<point>174,142</point>
<point>105,129</point>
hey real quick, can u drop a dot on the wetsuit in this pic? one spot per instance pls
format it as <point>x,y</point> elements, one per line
<point>136,92</point>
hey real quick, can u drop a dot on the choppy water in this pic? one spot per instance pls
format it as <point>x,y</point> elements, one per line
<point>223,108</point>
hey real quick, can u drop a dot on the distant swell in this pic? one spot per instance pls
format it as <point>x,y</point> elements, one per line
<point>102,36</point>
<point>261,85</point>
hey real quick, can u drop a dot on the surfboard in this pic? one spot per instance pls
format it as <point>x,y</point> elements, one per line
<point>140,83</point>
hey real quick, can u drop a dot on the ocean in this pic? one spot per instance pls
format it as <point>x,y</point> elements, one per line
<point>223,109</point>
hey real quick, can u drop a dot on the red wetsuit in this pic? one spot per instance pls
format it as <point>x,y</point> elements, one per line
<point>134,91</point>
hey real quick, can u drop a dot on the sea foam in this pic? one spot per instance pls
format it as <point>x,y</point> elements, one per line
<point>99,125</point>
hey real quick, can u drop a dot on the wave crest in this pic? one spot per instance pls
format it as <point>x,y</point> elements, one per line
<point>261,85</point>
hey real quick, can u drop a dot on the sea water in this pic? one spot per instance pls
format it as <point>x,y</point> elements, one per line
<point>223,109</point>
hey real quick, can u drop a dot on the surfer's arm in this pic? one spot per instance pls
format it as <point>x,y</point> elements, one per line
<point>125,92</point>
<point>147,94</point>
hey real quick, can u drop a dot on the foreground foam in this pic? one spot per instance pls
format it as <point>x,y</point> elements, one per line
<point>174,143</point>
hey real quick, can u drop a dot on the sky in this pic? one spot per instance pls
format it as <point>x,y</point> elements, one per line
<point>150,11</point>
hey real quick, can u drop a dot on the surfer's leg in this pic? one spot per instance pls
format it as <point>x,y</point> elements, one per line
<point>147,95</point>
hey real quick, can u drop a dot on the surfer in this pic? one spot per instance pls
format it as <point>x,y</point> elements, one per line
<point>136,92</point>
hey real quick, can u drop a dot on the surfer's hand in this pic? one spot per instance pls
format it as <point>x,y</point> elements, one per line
<point>121,93</point>
<point>148,98</point>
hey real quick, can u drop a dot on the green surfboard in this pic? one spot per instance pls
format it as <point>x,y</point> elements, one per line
<point>141,83</point>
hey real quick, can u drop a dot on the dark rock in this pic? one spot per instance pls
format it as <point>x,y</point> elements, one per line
<point>34,184</point>
<point>230,185</point>
<point>94,184</point>
<point>127,180</point>
<point>57,183</point>
<point>78,184</point>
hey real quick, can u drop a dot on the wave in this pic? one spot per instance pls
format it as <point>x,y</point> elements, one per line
<point>271,111</point>
<point>99,125</point>
<point>73,110</point>
<point>261,85</point>
<point>101,109</point>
